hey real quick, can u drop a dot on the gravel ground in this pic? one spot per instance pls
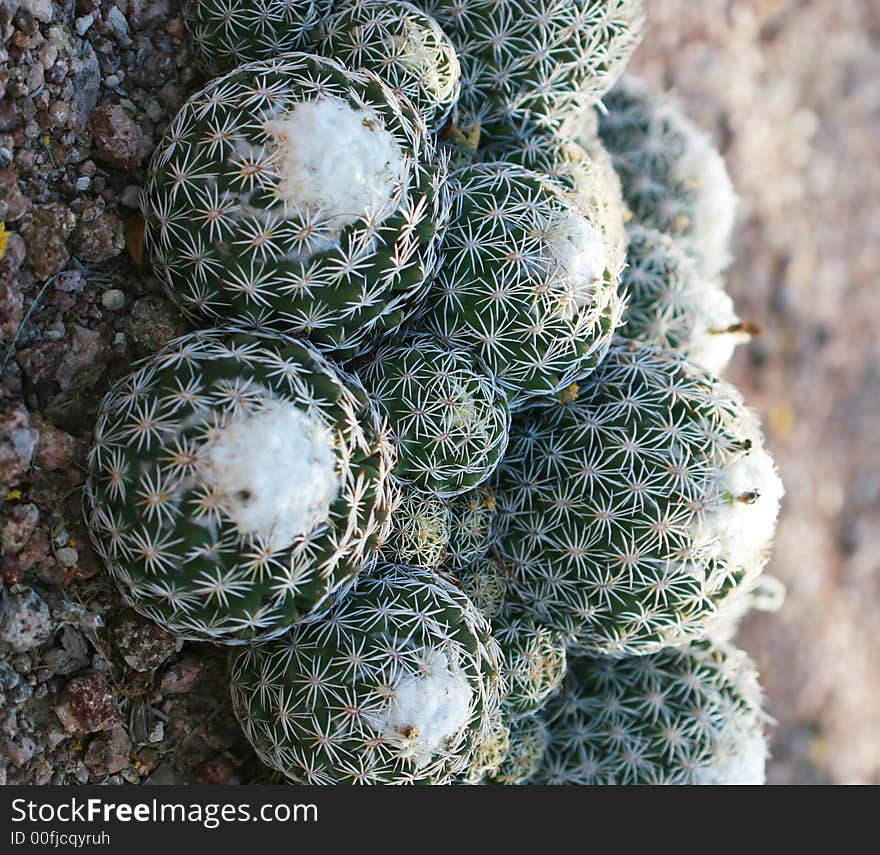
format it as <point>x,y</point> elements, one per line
<point>90,692</point>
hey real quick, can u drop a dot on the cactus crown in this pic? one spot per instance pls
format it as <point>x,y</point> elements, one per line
<point>525,283</point>
<point>297,194</point>
<point>399,682</point>
<point>403,45</point>
<point>675,717</point>
<point>629,514</point>
<point>235,481</point>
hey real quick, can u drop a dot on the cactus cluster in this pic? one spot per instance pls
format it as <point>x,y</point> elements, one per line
<point>452,465</point>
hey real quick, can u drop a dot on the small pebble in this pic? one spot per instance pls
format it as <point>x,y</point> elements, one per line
<point>113,300</point>
<point>82,24</point>
<point>67,556</point>
<point>83,183</point>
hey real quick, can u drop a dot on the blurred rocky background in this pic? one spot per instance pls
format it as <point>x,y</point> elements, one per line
<point>790,89</point>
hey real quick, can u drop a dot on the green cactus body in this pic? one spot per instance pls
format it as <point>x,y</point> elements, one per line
<point>399,683</point>
<point>527,741</point>
<point>236,480</point>
<point>470,527</point>
<point>226,33</point>
<point>419,531</point>
<point>630,514</point>
<point>524,284</point>
<point>673,178</point>
<point>486,585</point>
<point>534,662</point>
<point>536,61</point>
<point>689,716</point>
<point>404,46</point>
<point>449,421</point>
<point>297,195</point>
<point>672,305</point>
<point>585,175</point>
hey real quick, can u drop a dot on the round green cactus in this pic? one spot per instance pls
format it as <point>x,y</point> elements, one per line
<point>528,737</point>
<point>470,527</point>
<point>525,282</point>
<point>689,716</point>
<point>629,515</point>
<point>419,531</point>
<point>671,304</point>
<point>450,422</point>
<point>486,584</point>
<point>298,195</point>
<point>534,661</point>
<point>400,682</point>
<point>673,178</point>
<point>584,172</point>
<point>404,46</point>
<point>536,61</point>
<point>236,480</point>
<point>226,33</point>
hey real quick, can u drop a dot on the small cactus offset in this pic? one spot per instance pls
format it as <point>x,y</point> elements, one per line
<point>630,513</point>
<point>673,178</point>
<point>453,468</point>
<point>295,194</point>
<point>525,282</point>
<point>537,61</point>
<point>450,422</point>
<point>487,585</point>
<point>688,716</point>
<point>672,305</point>
<point>527,738</point>
<point>471,531</point>
<point>419,532</point>
<point>403,45</point>
<point>235,481</point>
<point>534,662</point>
<point>399,683</point>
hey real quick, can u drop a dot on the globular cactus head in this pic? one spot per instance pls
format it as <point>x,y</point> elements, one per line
<point>404,46</point>
<point>419,531</point>
<point>399,682</point>
<point>630,514</point>
<point>536,62</point>
<point>296,194</point>
<point>673,177</point>
<point>449,421</point>
<point>534,661</point>
<point>528,738</point>
<point>582,170</point>
<point>470,527</point>
<point>689,716</point>
<point>525,283</point>
<point>226,33</point>
<point>236,480</point>
<point>670,303</point>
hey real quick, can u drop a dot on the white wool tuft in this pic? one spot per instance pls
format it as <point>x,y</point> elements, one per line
<point>336,161</point>
<point>740,531</point>
<point>579,250</point>
<point>427,708</point>
<point>274,470</point>
<point>714,210</point>
<point>710,345</point>
<point>741,759</point>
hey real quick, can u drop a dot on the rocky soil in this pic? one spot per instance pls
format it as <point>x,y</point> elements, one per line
<point>89,692</point>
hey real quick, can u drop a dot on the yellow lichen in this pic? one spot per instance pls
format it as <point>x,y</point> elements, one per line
<point>5,234</point>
